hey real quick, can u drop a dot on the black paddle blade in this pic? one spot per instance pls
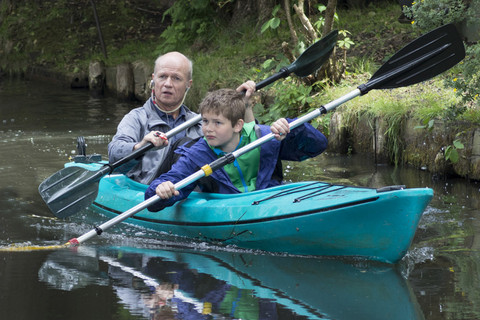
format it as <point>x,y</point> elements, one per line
<point>315,55</point>
<point>69,190</point>
<point>422,59</point>
<point>308,62</point>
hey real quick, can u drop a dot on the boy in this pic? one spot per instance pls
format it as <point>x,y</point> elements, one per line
<point>225,131</point>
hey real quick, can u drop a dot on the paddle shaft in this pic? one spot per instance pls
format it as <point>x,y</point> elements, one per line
<point>446,34</point>
<point>215,165</point>
<point>283,73</point>
<point>417,68</point>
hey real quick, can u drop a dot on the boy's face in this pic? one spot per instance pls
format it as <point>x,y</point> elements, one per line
<point>219,131</point>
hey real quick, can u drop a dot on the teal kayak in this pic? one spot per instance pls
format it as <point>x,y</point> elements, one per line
<point>304,218</point>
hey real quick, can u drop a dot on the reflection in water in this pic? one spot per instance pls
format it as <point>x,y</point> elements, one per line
<point>194,284</point>
<point>67,270</point>
<point>39,124</point>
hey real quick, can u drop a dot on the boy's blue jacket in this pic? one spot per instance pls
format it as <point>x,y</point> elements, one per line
<point>301,143</point>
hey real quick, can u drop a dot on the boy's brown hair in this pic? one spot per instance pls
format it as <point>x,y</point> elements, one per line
<point>227,102</point>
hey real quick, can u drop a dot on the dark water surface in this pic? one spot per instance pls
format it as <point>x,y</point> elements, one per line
<point>125,274</point>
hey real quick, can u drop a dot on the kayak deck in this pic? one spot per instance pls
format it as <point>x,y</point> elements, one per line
<point>304,218</point>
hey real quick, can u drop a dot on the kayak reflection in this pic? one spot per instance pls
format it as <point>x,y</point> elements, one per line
<point>202,285</point>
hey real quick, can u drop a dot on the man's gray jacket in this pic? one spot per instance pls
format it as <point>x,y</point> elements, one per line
<point>131,130</point>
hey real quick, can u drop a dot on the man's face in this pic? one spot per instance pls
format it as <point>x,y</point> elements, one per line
<point>171,80</point>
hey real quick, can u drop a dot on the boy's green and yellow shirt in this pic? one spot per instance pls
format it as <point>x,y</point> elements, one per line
<point>243,171</point>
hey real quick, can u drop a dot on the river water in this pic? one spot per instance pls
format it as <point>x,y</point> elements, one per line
<point>125,274</point>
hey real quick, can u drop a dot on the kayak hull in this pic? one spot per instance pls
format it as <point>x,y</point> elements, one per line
<point>304,218</point>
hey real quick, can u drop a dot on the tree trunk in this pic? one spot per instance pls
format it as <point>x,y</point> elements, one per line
<point>264,8</point>
<point>258,10</point>
<point>293,33</point>
<point>329,16</point>
<point>99,29</point>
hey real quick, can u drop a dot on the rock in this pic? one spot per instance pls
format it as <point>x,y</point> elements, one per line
<point>96,77</point>
<point>423,148</point>
<point>124,81</point>
<point>111,79</point>
<point>142,75</point>
<point>337,138</point>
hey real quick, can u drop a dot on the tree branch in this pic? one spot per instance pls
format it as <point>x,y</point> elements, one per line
<point>312,34</point>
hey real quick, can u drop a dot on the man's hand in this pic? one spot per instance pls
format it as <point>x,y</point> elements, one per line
<point>248,87</point>
<point>157,138</point>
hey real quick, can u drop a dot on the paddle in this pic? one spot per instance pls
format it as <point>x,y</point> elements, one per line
<point>420,60</point>
<point>74,188</point>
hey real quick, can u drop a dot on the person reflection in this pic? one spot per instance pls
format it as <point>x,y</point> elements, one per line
<point>182,293</point>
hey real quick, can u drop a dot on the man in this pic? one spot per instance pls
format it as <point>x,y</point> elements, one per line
<point>171,80</point>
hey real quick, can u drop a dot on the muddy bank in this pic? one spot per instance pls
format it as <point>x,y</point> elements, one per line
<point>423,148</point>
<point>129,81</point>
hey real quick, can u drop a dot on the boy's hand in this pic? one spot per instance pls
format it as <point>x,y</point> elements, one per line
<point>166,190</point>
<point>280,129</point>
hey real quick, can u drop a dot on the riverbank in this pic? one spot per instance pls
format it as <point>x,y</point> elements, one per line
<point>406,141</point>
<point>424,149</point>
<point>226,62</point>
<point>424,126</point>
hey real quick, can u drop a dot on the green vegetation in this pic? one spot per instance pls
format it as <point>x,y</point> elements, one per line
<point>430,14</point>
<point>62,35</point>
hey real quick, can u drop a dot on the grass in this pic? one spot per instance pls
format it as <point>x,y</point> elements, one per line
<point>423,101</point>
<point>376,31</point>
<point>226,58</point>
